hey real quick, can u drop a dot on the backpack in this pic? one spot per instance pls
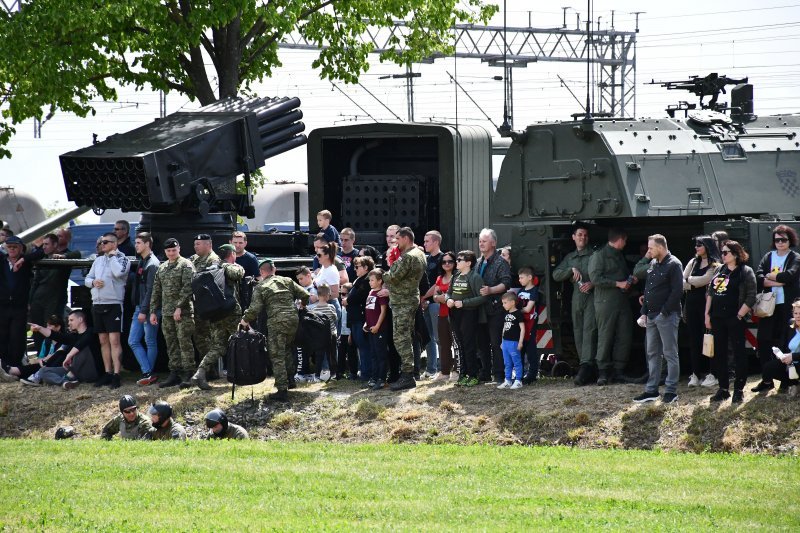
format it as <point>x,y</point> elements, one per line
<point>213,297</point>
<point>246,358</point>
<point>313,332</point>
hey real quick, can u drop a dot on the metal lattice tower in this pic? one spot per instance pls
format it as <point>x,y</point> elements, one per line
<point>11,6</point>
<point>613,50</point>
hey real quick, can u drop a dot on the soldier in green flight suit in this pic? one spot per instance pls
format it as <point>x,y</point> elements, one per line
<point>164,426</point>
<point>172,293</point>
<point>203,257</point>
<point>277,295</point>
<point>575,268</point>
<point>609,273</point>
<point>221,329</point>
<point>402,282</point>
<point>130,424</point>
<point>220,428</point>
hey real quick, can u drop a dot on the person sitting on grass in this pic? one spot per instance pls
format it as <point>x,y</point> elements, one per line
<point>513,339</point>
<point>83,361</point>
<point>52,354</point>
<point>164,426</point>
<point>219,427</point>
<point>129,424</point>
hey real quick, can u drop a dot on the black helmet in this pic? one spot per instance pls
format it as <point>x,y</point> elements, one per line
<point>65,432</point>
<point>217,416</point>
<point>126,401</point>
<point>162,409</point>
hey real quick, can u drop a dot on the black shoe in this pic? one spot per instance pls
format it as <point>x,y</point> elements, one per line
<point>115,382</point>
<point>292,384</point>
<point>405,381</point>
<point>738,396</point>
<point>586,375</point>
<point>783,389</point>
<point>281,396</point>
<point>762,387</point>
<point>379,385</point>
<point>603,379</point>
<point>720,395</point>
<point>619,377</point>
<point>646,397</point>
<point>669,397</point>
<point>103,381</point>
<point>528,378</point>
<point>186,381</point>
<point>172,380</point>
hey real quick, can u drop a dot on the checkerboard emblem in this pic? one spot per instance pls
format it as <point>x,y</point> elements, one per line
<point>789,183</point>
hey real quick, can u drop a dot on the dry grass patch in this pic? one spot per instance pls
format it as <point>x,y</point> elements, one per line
<point>582,419</point>
<point>285,420</point>
<point>450,407</point>
<point>402,432</point>
<point>414,414</point>
<point>367,410</point>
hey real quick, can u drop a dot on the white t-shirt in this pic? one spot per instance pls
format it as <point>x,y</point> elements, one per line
<point>328,274</point>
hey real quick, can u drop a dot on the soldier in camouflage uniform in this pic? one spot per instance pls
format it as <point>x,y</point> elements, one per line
<point>277,295</point>
<point>129,423</point>
<point>222,329</point>
<point>575,268</point>
<point>609,273</point>
<point>164,426</point>
<point>402,281</point>
<point>219,427</point>
<point>203,257</point>
<point>172,293</point>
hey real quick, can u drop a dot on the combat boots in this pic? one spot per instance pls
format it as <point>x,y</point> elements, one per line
<point>586,374</point>
<point>603,378</point>
<point>281,396</point>
<point>172,380</point>
<point>199,379</point>
<point>186,382</point>
<point>405,381</point>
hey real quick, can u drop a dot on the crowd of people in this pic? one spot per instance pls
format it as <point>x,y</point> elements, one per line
<point>474,320</point>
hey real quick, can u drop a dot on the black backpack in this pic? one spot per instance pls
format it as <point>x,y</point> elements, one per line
<point>313,332</point>
<point>214,298</point>
<point>246,358</point>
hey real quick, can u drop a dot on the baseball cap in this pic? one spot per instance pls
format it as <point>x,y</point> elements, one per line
<point>15,240</point>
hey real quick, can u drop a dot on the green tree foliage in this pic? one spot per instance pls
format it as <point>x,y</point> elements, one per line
<point>62,54</point>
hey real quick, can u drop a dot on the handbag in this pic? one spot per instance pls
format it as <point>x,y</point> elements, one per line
<point>708,344</point>
<point>765,304</point>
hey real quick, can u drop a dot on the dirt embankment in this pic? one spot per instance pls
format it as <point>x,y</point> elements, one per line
<point>551,412</point>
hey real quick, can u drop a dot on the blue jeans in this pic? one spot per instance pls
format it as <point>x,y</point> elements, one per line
<point>662,342</point>
<point>364,350</point>
<point>512,359</point>
<point>379,350</point>
<point>432,350</point>
<point>145,357</point>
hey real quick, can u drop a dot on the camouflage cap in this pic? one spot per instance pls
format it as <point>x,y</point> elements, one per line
<point>226,248</point>
<point>269,262</point>
<point>171,243</point>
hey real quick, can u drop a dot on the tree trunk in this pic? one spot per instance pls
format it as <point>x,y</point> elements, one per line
<point>226,45</point>
<point>198,77</point>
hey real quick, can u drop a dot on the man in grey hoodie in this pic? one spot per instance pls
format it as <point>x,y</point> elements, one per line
<point>107,279</point>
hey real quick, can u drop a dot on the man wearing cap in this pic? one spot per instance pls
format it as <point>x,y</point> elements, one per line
<point>277,295</point>
<point>221,329</point>
<point>129,424</point>
<point>172,294</point>
<point>203,258</point>
<point>107,279</point>
<point>16,271</point>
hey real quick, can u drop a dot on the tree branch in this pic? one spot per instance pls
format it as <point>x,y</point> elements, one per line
<point>258,29</point>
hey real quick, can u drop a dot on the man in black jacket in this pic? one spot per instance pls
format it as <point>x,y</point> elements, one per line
<point>496,274</point>
<point>83,361</point>
<point>48,294</point>
<point>16,271</point>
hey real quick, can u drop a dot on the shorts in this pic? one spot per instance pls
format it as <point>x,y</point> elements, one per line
<point>107,318</point>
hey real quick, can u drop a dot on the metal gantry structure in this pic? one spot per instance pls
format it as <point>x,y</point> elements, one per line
<point>613,51</point>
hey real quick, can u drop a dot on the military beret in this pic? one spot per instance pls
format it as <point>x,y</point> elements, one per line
<point>171,243</point>
<point>202,237</point>
<point>269,262</point>
<point>227,248</point>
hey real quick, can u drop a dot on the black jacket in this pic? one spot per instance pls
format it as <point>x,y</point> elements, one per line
<point>16,286</point>
<point>789,276</point>
<point>495,272</point>
<point>664,287</point>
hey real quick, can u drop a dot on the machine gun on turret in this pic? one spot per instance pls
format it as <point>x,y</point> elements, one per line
<point>712,85</point>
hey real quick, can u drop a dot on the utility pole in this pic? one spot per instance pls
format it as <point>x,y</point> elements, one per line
<point>409,77</point>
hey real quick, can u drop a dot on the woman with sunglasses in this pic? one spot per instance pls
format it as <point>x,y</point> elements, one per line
<point>446,341</point>
<point>778,273</point>
<point>329,274</point>
<point>696,276</point>
<point>466,304</point>
<point>356,306</point>
<point>730,296</point>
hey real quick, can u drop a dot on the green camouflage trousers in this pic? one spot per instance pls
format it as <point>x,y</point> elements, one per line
<point>220,332</point>
<point>279,345</point>
<point>202,336</point>
<point>178,336</point>
<point>403,329</point>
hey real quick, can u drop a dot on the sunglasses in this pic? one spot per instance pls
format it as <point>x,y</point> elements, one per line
<point>725,252</point>
<point>698,245</point>
<point>460,259</point>
<point>780,240</point>
<point>448,262</point>
<point>106,242</point>
<point>129,410</point>
<point>320,255</point>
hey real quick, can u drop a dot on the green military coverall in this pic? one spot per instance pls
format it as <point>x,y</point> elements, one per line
<point>172,289</point>
<point>234,431</point>
<point>584,324</point>
<point>139,429</point>
<point>202,331</point>
<point>403,282</point>
<point>171,431</point>
<point>612,310</point>
<point>277,295</point>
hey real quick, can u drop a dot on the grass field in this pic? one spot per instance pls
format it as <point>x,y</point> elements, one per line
<point>94,485</point>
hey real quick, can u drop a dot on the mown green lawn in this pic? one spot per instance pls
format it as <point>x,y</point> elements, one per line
<point>95,485</point>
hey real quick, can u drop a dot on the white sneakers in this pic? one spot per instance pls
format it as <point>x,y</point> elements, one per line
<point>441,377</point>
<point>710,381</point>
<point>454,376</point>
<point>694,381</point>
<point>426,375</point>
<point>507,384</point>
